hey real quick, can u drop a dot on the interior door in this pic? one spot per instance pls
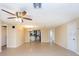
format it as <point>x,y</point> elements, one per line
<point>72,41</point>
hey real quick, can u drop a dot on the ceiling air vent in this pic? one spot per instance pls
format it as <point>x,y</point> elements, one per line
<point>37,5</point>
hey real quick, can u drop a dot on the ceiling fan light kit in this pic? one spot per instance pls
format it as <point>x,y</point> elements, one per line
<point>18,15</point>
<point>19,20</point>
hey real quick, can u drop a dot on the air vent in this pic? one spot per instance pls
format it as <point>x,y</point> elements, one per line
<point>37,5</point>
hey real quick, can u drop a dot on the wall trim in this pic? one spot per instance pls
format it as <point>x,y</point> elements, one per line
<point>77,52</point>
<point>67,48</point>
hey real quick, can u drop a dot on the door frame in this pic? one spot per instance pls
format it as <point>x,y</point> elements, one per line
<point>6,36</point>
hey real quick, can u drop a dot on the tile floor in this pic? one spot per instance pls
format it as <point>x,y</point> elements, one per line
<point>37,49</point>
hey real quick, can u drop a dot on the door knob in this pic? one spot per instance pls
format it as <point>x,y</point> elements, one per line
<point>73,39</point>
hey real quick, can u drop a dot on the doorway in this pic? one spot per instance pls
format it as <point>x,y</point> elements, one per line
<point>51,36</point>
<point>35,36</point>
<point>4,37</point>
<point>72,40</point>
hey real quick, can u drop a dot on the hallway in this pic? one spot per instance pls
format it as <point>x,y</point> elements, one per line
<point>37,49</point>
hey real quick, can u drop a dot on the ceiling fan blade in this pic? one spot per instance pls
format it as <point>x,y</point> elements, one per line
<point>27,18</point>
<point>11,17</point>
<point>7,12</point>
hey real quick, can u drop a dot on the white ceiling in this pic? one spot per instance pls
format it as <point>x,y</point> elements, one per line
<point>51,14</point>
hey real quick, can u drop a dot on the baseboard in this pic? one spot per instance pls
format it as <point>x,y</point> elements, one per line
<point>20,44</point>
<point>67,48</point>
<point>60,45</point>
<point>77,52</point>
<point>11,46</point>
<point>44,42</point>
<point>15,46</point>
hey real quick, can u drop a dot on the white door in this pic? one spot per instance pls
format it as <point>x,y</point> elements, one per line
<point>51,37</point>
<point>72,29</point>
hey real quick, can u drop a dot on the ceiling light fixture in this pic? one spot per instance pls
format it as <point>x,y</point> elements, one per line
<point>37,5</point>
<point>19,20</point>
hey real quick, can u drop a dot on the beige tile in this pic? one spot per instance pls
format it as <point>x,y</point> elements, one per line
<point>38,49</point>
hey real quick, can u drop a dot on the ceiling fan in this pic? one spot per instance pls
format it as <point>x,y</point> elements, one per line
<point>17,15</point>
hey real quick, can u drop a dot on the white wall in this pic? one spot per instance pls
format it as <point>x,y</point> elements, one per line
<point>61,35</point>
<point>15,36</point>
<point>11,37</point>
<point>20,35</point>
